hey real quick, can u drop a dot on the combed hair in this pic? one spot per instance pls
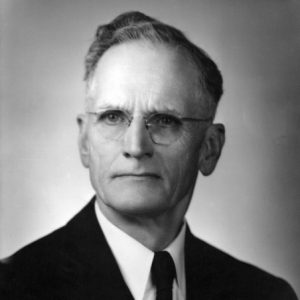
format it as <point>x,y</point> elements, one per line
<point>135,25</point>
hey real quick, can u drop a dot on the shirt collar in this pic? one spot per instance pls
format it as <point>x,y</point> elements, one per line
<point>135,260</point>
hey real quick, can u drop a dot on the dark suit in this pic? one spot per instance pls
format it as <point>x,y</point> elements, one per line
<point>75,262</point>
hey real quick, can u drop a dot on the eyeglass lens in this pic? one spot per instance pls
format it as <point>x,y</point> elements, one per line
<point>163,128</point>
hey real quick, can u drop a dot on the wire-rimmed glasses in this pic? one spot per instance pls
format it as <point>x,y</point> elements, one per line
<point>163,128</point>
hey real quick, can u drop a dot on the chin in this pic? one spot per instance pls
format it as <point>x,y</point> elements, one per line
<point>136,203</point>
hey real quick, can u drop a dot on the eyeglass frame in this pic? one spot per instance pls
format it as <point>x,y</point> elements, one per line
<point>130,118</point>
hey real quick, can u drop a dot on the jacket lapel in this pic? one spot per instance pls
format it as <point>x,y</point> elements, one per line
<point>200,273</point>
<point>89,265</point>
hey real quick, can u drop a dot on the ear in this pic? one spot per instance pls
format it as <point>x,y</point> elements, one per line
<point>83,144</point>
<point>211,148</point>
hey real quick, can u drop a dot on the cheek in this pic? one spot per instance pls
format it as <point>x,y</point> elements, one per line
<point>181,164</point>
<point>102,156</point>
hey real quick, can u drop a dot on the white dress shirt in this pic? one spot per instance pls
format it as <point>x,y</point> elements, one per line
<point>135,260</point>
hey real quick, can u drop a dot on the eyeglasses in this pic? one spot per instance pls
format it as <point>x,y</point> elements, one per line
<point>163,128</point>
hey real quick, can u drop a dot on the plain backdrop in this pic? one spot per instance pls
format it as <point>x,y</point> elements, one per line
<point>249,207</point>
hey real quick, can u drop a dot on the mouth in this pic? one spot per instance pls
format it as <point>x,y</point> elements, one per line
<point>145,175</point>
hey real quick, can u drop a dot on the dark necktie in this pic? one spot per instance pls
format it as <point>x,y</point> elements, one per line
<point>163,273</point>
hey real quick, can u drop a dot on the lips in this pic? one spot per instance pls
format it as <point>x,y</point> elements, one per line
<point>137,175</point>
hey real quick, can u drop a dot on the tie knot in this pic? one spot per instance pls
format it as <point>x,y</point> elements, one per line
<point>163,271</point>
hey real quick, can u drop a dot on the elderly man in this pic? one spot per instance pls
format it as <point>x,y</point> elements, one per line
<point>151,96</point>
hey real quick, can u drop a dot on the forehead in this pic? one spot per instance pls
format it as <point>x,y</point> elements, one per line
<point>142,76</point>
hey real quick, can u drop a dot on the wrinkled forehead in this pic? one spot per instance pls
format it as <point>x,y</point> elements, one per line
<point>144,77</point>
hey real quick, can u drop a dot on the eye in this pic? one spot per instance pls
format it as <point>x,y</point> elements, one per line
<point>113,117</point>
<point>164,120</point>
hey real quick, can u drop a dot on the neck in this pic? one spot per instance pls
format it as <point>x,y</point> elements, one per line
<point>154,232</point>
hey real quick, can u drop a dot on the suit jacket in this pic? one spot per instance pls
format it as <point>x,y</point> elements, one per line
<point>75,262</point>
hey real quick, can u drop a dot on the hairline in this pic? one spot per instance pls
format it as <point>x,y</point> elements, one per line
<point>200,92</point>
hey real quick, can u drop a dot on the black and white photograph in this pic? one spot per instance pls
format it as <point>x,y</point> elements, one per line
<point>149,150</point>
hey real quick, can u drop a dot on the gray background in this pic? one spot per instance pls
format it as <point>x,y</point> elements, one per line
<point>249,207</point>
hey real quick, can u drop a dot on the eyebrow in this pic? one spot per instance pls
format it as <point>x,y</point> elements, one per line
<point>103,108</point>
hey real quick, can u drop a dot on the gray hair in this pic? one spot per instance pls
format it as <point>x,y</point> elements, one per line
<point>134,25</point>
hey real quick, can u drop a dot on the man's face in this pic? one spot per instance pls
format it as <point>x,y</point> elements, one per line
<point>133,175</point>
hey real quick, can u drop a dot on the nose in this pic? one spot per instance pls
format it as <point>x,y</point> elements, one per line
<point>137,142</point>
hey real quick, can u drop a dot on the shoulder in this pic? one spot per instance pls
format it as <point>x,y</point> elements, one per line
<point>44,251</point>
<point>47,247</point>
<point>31,265</point>
<point>45,262</point>
<point>54,244</point>
<point>231,278</point>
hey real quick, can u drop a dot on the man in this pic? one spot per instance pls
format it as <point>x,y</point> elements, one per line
<point>151,96</point>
